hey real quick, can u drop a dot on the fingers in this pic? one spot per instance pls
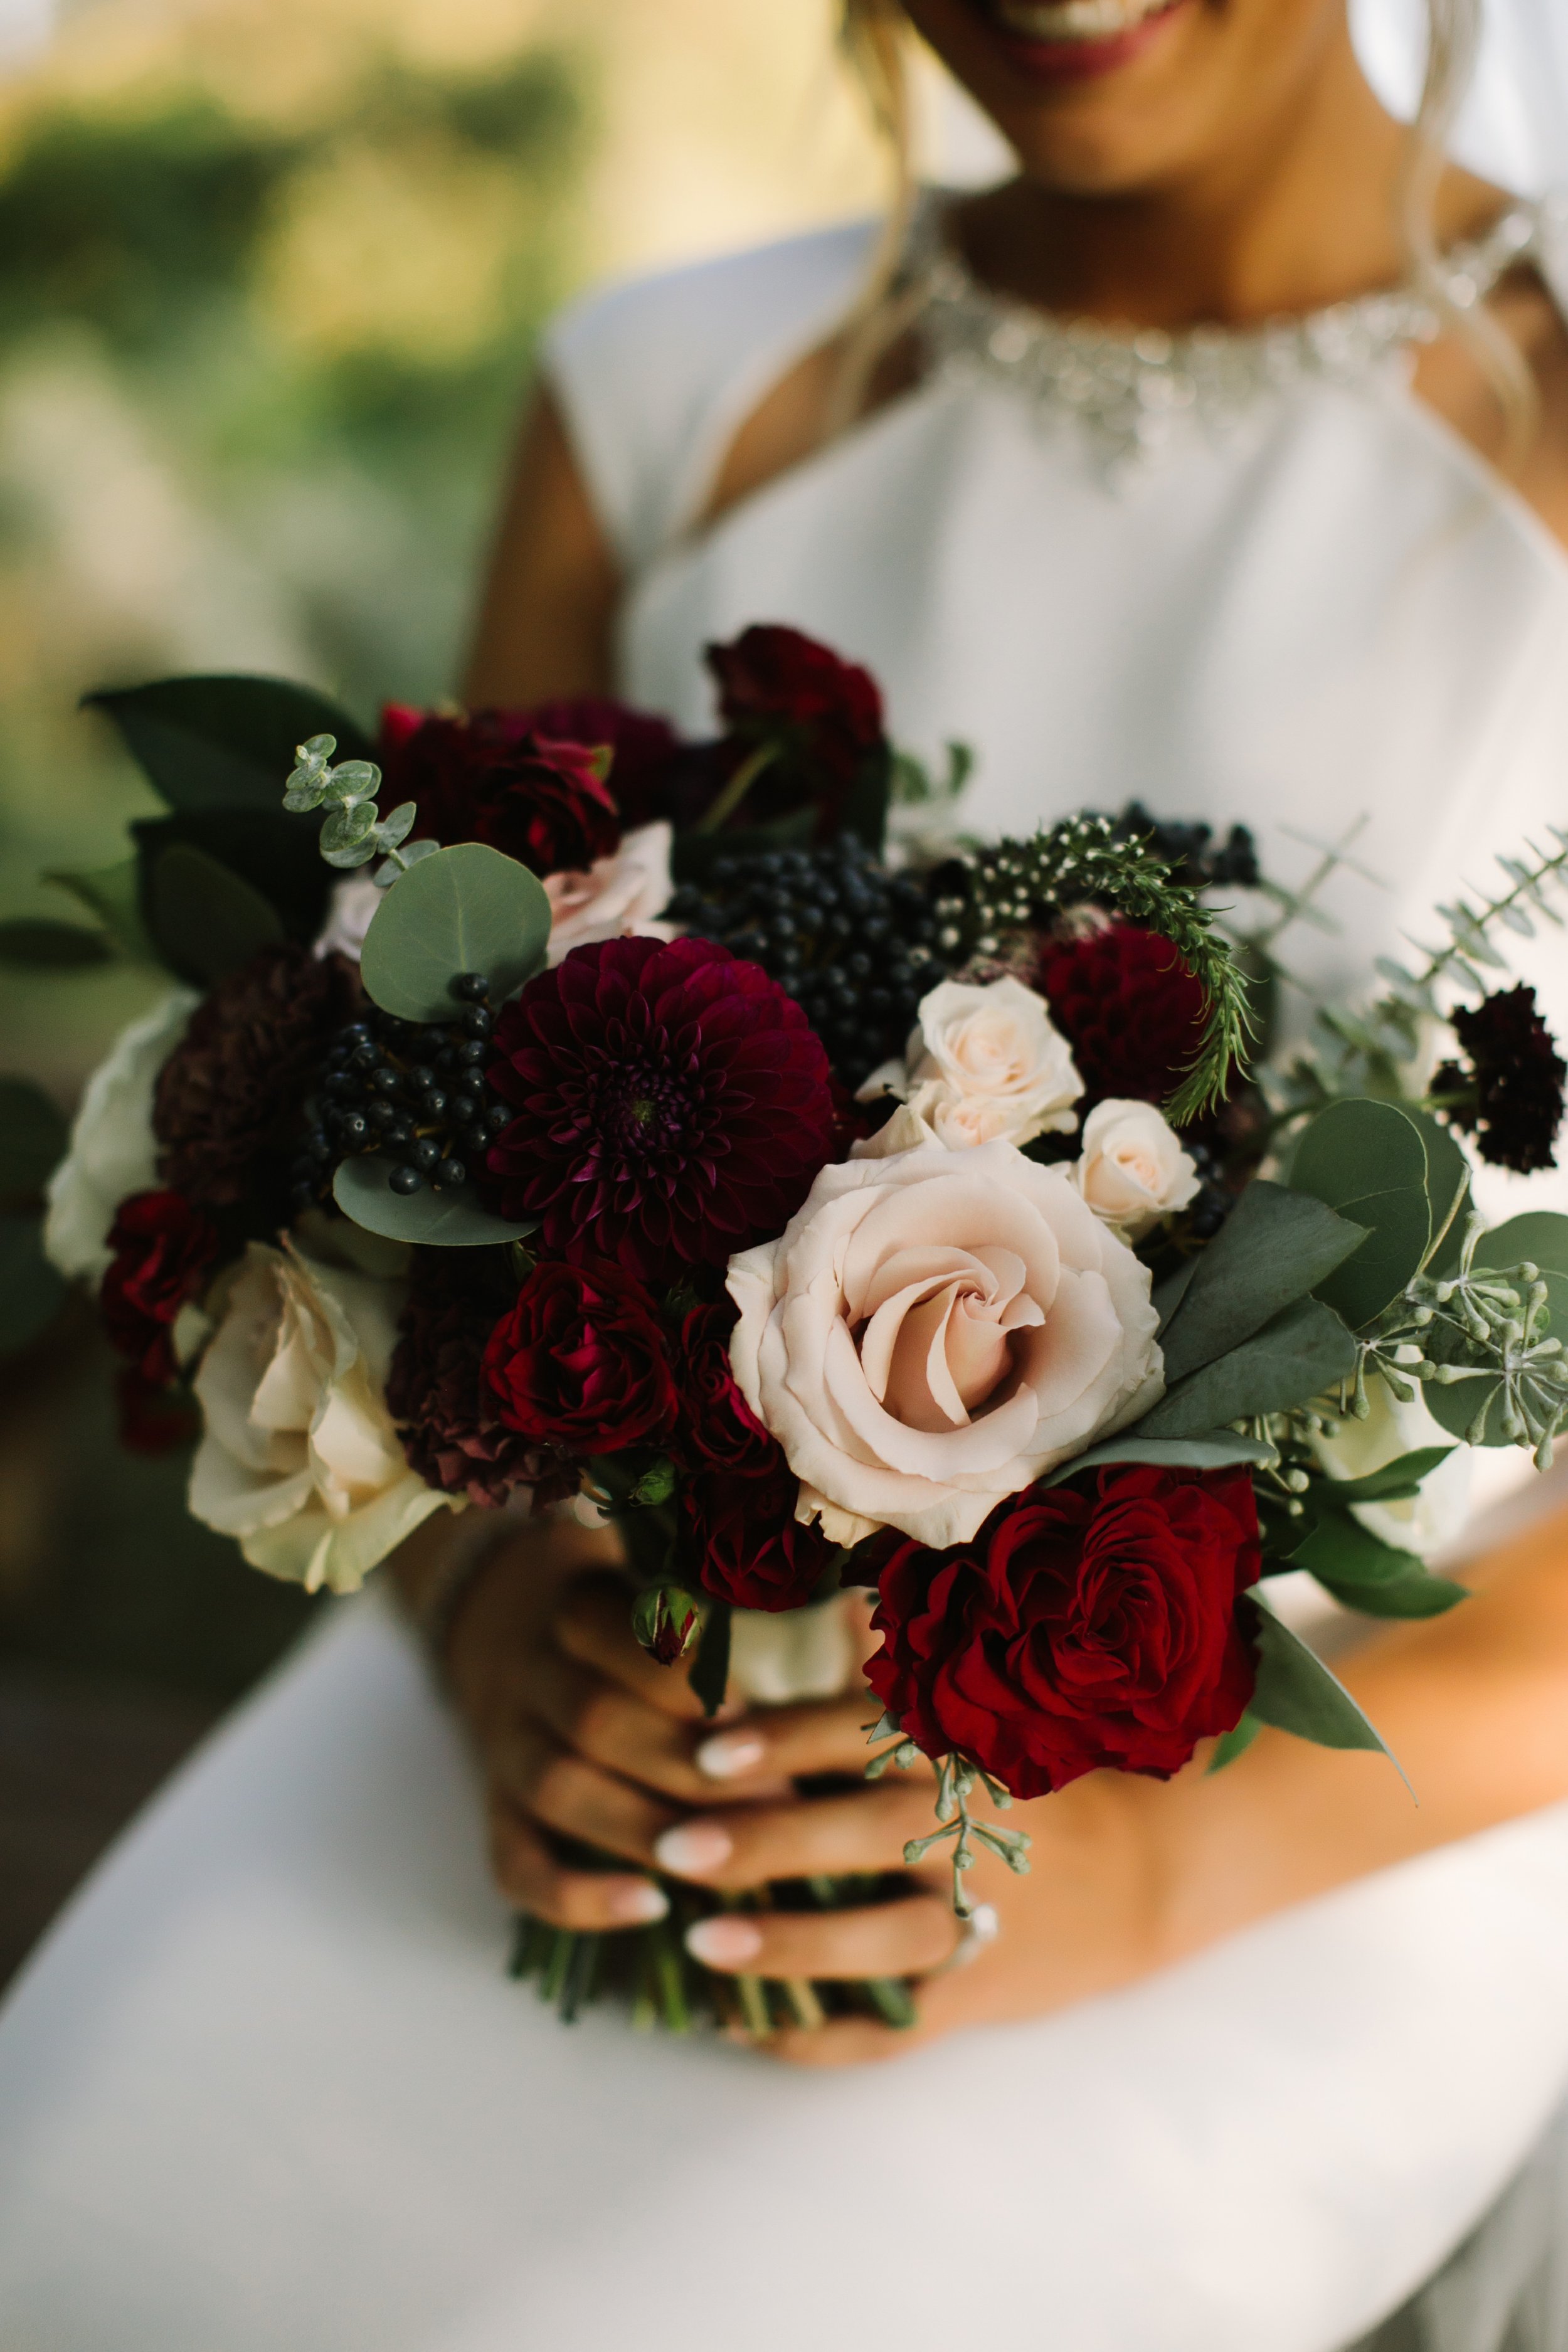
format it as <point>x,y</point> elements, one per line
<point>888,1939</point>
<point>967,1996</point>
<point>593,1625</point>
<point>605,1722</point>
<point>866,1830</point>
<point>567,1793</point>
<point>828,1735</point>
<point>528,1875</point>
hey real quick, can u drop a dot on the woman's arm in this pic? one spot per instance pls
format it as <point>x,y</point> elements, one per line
<point>547,613</point>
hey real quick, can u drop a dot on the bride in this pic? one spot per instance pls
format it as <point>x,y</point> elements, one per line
<point>1219,459</point>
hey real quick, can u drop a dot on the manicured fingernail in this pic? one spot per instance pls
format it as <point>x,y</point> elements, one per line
<point>694,1849</point>
<point>639,1906</point>
<point>730,1753</point>
<point>723,1943</point>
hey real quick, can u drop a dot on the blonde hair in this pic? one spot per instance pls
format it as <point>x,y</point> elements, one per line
<point>874,33</point>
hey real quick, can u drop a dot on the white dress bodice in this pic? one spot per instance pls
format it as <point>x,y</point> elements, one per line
<point>265,2084</point>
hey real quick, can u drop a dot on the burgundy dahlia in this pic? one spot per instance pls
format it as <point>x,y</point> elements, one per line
<point>673,1105</point>
<point>489,778</point>
<point>448,1415</point>
<point>748,1547</point>
<point>1078,1630</point>
<point>229,1099</point>
<point>581,1363</point>
<point>163,1250</point>
<point>718,1429</point>
<point>1515,1081</point>
<point>1130,1010</point>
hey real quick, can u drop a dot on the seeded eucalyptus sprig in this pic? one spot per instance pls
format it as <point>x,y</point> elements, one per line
<point>956,1781</point>
<point>1019,884</point>
<point>354,831</point>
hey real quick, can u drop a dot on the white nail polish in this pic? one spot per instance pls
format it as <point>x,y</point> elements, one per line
<point>692,1849</point>
<point>731,1753</point>
<point>639,1906</point>
<point>723,1943</point>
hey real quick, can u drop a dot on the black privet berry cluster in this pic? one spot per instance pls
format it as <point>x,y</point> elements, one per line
<point>416,1093</point>
<point>857,948</point>
<point>1214,1201</point>
<point>1191,851</point>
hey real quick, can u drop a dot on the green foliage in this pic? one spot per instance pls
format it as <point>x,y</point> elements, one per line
<point>33,1136</point>
<point>444,1219</point>
<point>36,944</point>
<point>1367,1162</point>
<point>1236,1743</point>
<point>1295,1691</point>
<point>204,921</point>
<point>1217,1449</point>
<point>113,893</point>
<point>221,743</point>
<point>1359,1568</point>
<point>466,909</point>
<point>710,1674</point>
<point>272,855</point>
<point>1303,1351</point>
<point>1274,1247</point>
<point>31,1292</point>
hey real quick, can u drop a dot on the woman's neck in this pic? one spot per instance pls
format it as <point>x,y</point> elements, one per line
<point>1302,212</point>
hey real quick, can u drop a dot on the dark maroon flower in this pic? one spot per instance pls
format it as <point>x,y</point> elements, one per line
<point>1514,1081</point>
<point>1078,1629</point>
<point>448,1415</point>
<point>647,754</point>
<point>488,778</point>
<point>581,1363</point>
<point>1130,1010</point>
<point>777,685</point>
<point>718,1429</point>
<point>163,1250</point>
<point>153,1418</point>
<point>673,1105</point>
<point>748,1548</point>
<point>231,1094</point>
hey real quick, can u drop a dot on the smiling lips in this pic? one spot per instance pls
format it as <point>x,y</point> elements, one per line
<point>1070,39</point>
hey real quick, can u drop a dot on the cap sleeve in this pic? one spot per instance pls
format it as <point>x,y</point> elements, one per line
<point>656,376</point>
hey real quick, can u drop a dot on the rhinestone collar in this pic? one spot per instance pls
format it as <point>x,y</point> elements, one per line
<point>1135,397</point>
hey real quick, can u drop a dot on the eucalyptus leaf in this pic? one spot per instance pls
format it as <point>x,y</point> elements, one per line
<point>32,1291</point>
<point>393,830</point>
<point>1456,1405</point>
<point>223,742</point>
<point>1540,1238</point>
<point>34,1136</point>
<point>113,893</point>
<point>1217,1449</point>
<point>349,824</point>
<point>446,1220</point>
<point>204,921</point>
<point>1379,1578</point>
<point>1367,1161</point>
<point>1447,1189</point>
<point>35,943</point>
<point>1295,1691</point>
<point>466,909</point>
<point>1302,1352</point>
<point>1275,1246</point>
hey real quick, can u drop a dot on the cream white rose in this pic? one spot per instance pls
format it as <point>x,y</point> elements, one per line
<point>300,1459</point>
<point>1132,1169</point>
<point>618,896</point>
<point>349,911</point>
<point>932,1331</point>
<point>985,1062</point>
<point>113,1150</point>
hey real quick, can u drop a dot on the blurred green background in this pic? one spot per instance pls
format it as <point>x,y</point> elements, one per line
<point>271,274</point>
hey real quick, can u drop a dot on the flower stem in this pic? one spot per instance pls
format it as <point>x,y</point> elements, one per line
<point>723,808</point>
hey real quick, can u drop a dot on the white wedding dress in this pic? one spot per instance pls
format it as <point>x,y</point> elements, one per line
<point>266,2085</point>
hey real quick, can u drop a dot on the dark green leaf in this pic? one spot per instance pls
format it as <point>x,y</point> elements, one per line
<point>710,1674</point>
<point>1392,1483</point>
<point>1367,1161</point>
<point>465,909</point>
<point>1295,1691</point>
<point>1169,1294</point>
<point>204,921</point>
<point>1274,1247</point>
<point>33,1135</point>
<point>224,742</point>
<point>274,854</point>
<point>1365,1573</point>
<point>865,810</point>
<point>1538,1238</point>
<point>36,944</point>
<point>1447,1191</point>
<point>113,893</point>
<point>1302,1352</point>
<point>31,1292</point>
<point>1234,1743</point>
<point>1216,1450</point>
<point>447,1220</point>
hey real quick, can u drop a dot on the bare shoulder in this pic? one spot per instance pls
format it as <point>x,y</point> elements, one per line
<point>1451,379</point>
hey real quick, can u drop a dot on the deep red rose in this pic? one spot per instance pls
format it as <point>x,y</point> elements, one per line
<point>1129,1007</point>
<point>163,1250</point>
<point>647,755</point>
<point>581,1361</point>
<point>153,1418</point>
<point>718,1429</point>
<point>490,777</point>
<point>1078,1630</point>
<point>747,1546</point>
<point>774,683</point>
<point>447,1417</point>
<point>673,1103</point>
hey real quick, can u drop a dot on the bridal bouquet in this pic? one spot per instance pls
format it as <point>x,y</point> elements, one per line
<point>612,1120</point>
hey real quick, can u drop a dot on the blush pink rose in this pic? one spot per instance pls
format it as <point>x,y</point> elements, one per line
<point>619,896</point>
<point>935,1331</point>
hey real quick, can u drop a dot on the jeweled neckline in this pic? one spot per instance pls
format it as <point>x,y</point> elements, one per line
<point>1135,395</point>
